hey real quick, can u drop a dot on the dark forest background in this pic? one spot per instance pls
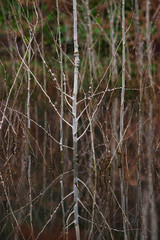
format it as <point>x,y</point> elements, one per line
<point>118,168</point>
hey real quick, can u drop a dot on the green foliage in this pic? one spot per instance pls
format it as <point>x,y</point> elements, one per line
<point>129,6</point>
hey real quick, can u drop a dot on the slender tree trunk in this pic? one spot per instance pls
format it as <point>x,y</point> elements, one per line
<point>91,53</point>
<point>29,126</point>
<point>61,121</point>
<point>75,121</point>
<point>139,54</point>
<point>95,177</point>
<point>153,213</point>
<point>145,208</point>
<point>113,9</point>
<point>122,124</point>
<point>114,73</point>
<point>148,41</point>
<point>45,89</point>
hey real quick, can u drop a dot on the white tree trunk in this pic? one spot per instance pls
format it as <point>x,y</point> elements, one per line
<point>75,121</point>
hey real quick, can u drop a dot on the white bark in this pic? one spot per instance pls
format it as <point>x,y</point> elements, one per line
<point>75,121</point>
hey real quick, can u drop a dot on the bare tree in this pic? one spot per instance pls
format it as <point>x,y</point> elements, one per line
<point>122,123</point>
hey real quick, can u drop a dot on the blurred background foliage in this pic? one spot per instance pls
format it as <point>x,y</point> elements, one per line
<point>17,18</point>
